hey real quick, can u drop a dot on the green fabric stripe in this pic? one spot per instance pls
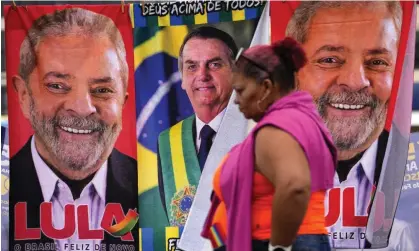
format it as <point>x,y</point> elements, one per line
<point>144,33</point>
<point>226,16</point>
<point>167,167</point>
<point>152,215</point>
<point>152,21</point>
<point>189,152</point>
<point>188,20</point>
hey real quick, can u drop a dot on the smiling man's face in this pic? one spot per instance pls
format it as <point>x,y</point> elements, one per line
<point>206,72</point>
<point>75,101</point>
<point>351,60</point>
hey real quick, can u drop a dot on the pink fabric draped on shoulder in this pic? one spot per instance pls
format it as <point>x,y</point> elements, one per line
<point>297,115</point>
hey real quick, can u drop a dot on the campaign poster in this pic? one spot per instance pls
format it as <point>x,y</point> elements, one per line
<point>360,73</point>
<point>174,185</point>
<point>71,101</point>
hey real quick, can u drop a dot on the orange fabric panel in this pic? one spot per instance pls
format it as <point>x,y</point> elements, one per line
<point>262,198</point>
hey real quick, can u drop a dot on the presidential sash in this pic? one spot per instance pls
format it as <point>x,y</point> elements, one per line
<point>180,169</point>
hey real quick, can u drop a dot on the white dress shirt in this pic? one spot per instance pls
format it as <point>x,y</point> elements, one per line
<point>214,124</point>
<point>361,176</point>
<point>56,191</point>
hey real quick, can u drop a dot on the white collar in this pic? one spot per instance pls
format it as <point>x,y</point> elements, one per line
<point>214,123</point>
<point>367,162</point>
<point>48,179</point>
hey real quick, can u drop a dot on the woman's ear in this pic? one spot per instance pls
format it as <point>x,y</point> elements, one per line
<point>22,90</point>
<point>267,83</point>
<point>268,87</point>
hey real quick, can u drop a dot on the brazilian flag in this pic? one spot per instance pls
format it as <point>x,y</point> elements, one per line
<point>160,103</point>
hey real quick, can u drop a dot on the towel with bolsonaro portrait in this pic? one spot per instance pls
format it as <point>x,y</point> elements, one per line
<point>159,31</point>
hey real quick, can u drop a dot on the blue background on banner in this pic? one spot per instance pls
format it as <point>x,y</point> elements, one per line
<point>408,206</point>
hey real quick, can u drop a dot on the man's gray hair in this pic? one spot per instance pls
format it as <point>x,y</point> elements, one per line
<point>209,32</point>
<point>298,26</point>
<point>65,22</point>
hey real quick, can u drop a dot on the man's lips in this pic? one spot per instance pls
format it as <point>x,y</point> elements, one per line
<point>204,88</point>
<point>343,106</point>
<point>348,110</point>
<point>76,131</point>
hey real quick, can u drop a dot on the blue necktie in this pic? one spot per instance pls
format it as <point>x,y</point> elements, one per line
<point>206,142</point>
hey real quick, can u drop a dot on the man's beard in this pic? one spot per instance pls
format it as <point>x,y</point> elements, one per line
<point>352,132</point>
<point>80,155</point>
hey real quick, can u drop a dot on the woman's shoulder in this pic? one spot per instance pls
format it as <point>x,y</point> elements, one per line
<point>291,121</point>
<point>305,128</point>
<point>289,115</point>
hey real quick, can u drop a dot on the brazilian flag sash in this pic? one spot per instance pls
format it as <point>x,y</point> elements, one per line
<point>180,168</point>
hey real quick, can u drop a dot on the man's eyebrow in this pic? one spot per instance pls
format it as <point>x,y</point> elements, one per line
<point>56,74</point>
<point>378,51</point>
<point>102,80</point>
<point>330,48</point>
<point>188,61</point>
<point>212,60</point>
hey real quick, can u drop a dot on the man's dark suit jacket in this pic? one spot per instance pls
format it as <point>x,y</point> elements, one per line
<point>121,188</point>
